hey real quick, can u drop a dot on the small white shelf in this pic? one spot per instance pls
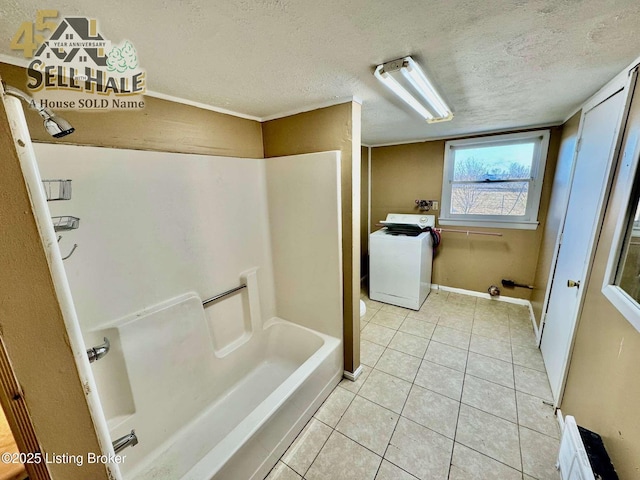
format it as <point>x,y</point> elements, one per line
<point>64,223</point>
<point>57,189</point>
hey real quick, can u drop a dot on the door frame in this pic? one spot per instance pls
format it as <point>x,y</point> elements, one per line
<point>623,82</point>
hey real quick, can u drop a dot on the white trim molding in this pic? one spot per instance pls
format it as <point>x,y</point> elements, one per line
<point>311,107</point>
<point>203,106</point>
<point>536,330</point>
<point>353,376</point>
<point>560,419</point>
<point>481,133</point>
<point>473,293</point>
<point>513,300</point>
<point>628,187</point>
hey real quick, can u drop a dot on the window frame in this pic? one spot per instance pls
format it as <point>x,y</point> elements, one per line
<point>528,221</point>
<point>629,185</point>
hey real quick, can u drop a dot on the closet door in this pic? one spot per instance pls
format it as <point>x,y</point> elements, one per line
<point>592,167</point>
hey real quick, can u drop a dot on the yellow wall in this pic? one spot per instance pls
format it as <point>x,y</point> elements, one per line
<point>332,128</point>
<point>162,126</point>
<point>603,384</point>
<point>555,213</point>
<point>364,211</point>
<point>402,174</point>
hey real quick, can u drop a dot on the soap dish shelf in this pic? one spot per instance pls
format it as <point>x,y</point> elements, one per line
<point>65,223</point>
<point>57,189</point>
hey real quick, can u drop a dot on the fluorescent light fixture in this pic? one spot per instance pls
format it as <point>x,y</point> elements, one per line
<point>405,78</point>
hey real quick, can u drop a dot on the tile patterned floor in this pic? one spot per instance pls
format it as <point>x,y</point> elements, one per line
<point>454,391</point>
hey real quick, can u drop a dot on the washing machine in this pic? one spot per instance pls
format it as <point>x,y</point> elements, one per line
<point>400,260</point>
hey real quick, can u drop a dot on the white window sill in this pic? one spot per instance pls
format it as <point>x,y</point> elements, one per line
<point>515,225</point>
<point>625,304</point>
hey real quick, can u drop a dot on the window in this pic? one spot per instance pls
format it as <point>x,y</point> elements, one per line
<point>622,278</point>
<point>494,181</point>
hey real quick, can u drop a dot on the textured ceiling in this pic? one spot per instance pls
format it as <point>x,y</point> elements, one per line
<point>499,64</point>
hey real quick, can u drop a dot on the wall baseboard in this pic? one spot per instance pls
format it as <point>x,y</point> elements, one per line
<point>353,376</point>
<point>560,419</point>
<point>473,293</point>
<point>536,331</point>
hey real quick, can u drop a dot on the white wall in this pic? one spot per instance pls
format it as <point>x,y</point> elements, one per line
<point>304,219</point>
<point>156,225</point>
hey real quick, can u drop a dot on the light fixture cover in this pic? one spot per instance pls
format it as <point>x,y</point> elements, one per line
<point>405,78</point>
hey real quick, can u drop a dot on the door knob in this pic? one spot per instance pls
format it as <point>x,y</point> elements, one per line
<point>573,283</point>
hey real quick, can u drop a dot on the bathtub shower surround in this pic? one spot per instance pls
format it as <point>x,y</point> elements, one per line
<point>217,391</point>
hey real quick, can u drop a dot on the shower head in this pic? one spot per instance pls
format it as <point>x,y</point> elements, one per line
<point>56,126</point>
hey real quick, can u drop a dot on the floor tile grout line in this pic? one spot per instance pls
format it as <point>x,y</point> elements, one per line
<point>335,429</point>
<point>455,432</point>
<point>399,467</point>
<point>386,326</point>
<point>354,441</point>
<point>420,425</point>
<point>491,381</point>
<point>449,345</point>
<point>439,393</point>
<point>391,375</point>
<point>396,376</point>
<point>422,362</point>
<point>492,414</point>
<point>489,413</point>
<point>406,353</point>
<point>480,409</point>
<point>281,459</point>
<point>529,368</point>
<point>541,433</point>
<point>297,436</point>
<point>402,409</point>
<point>489,456</point>
<point>516,399</point>
<point>380,405</point>
<point>316,455</point>
<point>345,410</point>
<point>489,356</point>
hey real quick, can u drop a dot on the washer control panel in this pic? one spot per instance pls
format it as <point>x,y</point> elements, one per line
<point>421,220</point>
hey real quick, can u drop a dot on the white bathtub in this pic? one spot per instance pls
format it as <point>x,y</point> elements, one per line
<point>203,413</point>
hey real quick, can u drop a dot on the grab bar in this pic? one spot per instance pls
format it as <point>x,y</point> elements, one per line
<point>223,294</point>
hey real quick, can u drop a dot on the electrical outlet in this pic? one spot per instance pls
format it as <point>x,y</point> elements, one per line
<point>435,205</point>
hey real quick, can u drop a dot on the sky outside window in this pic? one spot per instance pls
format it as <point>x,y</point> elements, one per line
<point>494,162</point>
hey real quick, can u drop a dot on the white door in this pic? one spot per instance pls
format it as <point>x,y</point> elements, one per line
<point>587,188</point>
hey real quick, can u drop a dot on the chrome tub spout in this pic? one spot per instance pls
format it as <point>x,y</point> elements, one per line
<point>96,353</point>
<point>129,440</point>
